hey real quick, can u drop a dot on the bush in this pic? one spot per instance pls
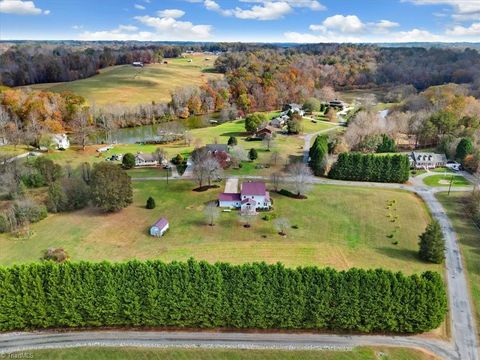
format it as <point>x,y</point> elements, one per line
<point>34,179</point>
<point>252,154</point>
<point>198,294</point>
<point>464,148</point>
<point>177,160</point>
<point>361,167</point>
<point>387,145</point>
<point>49,171</point>
<point>232,141</point>
<point>150,203</point>
<point>55,254</point>
<point>128,161</point>
<point>68,194</point>
<point>27,211</point>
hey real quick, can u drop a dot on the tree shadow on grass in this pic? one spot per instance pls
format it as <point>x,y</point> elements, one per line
<point>399,254</point>
<point>235,134</point>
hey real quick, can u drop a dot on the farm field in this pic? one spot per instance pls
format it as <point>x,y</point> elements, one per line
<point>337,226</point>
<point>125,84</point>
<point>469,239</point>
<point>444,180</point>
<point>362,353</point>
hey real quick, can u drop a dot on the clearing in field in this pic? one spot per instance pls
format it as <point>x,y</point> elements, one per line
<point>339,227</point>
<point>125,84</point>
<point>362,353</point>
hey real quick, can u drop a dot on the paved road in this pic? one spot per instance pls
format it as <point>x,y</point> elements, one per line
<point>41,340</point>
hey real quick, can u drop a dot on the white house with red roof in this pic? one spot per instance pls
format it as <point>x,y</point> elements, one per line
<point>252,196</point>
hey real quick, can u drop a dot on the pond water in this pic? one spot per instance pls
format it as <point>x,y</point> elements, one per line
<point>147,133</point>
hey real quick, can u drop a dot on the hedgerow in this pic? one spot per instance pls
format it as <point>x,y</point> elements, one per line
<point>369,167</point>
<point>198,294</point>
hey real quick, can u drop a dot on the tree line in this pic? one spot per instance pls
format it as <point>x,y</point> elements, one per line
<point>370,167</point>
<point>198,294</point>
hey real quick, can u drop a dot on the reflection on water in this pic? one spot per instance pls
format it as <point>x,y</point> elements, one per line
<point>151,132</point>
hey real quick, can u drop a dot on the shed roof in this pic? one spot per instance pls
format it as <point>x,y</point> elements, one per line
<point>161,223</point>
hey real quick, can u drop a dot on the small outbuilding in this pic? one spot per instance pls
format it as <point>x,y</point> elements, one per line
<point>159,228</point>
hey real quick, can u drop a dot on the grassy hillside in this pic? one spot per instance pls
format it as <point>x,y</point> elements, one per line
<point>229,354</point>
<point>125,84</point>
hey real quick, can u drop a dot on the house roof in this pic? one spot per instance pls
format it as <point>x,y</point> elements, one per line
<point>217,147</point>
<point>146,157</point>
<point>229,197</point>
<point>428,157</point>
<point>161,223</point>
<point>249,201</point>
<point>254,188</point>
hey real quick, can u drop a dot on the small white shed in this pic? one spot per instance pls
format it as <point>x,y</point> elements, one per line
<point>159,228</point>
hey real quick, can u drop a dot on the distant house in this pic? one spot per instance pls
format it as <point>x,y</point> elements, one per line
<point>145,160</point>
<point>159,228</point>
<point>292,108</point>
<point>427,160</point>
<point>262,133</point>
<point>338,104</point>
<point>280,121</point>
<point>253,196</point>
<point>105,148</point>
<point>61,141</point>
<point>215,148</point>
<point>137,64</point>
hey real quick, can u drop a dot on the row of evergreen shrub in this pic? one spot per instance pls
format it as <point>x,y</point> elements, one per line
<point>369,167</point>
<point>198,294</point>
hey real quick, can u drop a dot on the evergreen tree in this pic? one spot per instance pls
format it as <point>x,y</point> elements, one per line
<point>232,141</point>
<point>252,154</point>
<point>150,203</point>
<point>432,244</point>
<point>111,187</point>
<point>464,148</point>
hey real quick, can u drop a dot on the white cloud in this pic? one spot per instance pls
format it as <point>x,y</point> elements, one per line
<point>349,24</point>
<point>77,27</point>
<point>464,9</point>
<point>297,37</point>
<point>122,32</point>
<point>310,4</point>
<point>19,7</point>
<point>171,13</point>
<point>267,11</point>
<point>416,35</point>
<point>139,7</point>
<point>472,30</point>
<point>169,28</point>
<point>128,28</point>
<point>386,24</point>
<point>263,10</point>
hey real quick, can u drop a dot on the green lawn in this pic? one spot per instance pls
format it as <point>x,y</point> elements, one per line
<point>469,238</point>
<point>444,180</point>
<point>337,226</point>
<point>363,353</point>
<point>10,150</point>
<point>125,84</point>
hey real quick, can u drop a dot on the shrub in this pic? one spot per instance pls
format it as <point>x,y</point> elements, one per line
<point>361,167</point>
<point>464,148</point>
<point>56,254</point>
<point>49,171</point>
<point>128,161</point>
<point>232,141</point>
<point>252,154</point>
<point>387,145</point>
<point>150,203</point>
<point>27,211</point>
<point>34,179</point>
<point>178,159</point>
<point>57,198</point>
<point>198,294</point>
<point>68,194</point>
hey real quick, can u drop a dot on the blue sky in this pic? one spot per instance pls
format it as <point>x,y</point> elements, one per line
<point>242,20</point>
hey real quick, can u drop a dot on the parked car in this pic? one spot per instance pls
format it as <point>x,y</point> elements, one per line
<point>453,165</point>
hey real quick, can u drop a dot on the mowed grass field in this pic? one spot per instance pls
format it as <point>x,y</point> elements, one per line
<point>339,227</point>
<point>125,84</point>
<point>98,353</point>
<point>444,180</point>
<point>468,235</point>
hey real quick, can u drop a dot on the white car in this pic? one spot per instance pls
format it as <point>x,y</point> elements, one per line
<point>453,165</point>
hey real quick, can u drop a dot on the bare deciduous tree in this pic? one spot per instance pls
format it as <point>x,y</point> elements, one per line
<point>275,158</point>
<point>299,176</point>
<point>211,212</point>
<point>282,225</point>
<point>83,128</point>
<point>277,180</point>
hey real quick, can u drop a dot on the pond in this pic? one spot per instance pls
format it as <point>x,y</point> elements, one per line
<point>147,133</point>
